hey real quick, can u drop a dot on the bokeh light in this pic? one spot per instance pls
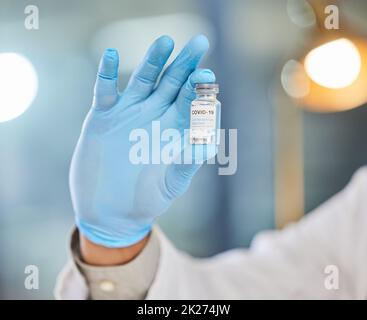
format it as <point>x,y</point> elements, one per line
<point>18,85</point>
<point>335,64</point>
<point>294,79</point>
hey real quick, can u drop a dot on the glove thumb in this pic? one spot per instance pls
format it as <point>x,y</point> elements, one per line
<point>178,178</point>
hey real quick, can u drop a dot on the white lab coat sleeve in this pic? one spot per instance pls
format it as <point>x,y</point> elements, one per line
<point>322,257</point>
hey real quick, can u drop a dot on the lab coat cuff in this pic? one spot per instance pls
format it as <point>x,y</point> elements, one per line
<point>129,281</point>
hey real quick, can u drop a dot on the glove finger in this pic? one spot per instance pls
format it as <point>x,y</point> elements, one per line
<point>143,80</point>
<point>177,73</point>
<point>105,89</point>
<point>187,93</point>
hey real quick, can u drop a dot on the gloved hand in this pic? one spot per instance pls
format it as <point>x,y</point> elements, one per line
<point>115,199</point>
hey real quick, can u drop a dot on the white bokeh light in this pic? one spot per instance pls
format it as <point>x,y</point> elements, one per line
<point>335,64</point>
<point>18,85</point>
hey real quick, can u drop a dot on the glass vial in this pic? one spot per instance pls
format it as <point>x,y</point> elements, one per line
<point>205,115</point>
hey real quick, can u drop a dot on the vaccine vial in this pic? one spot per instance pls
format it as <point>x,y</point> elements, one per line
<point>205,115</point>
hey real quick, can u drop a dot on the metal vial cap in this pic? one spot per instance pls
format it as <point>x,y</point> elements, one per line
<point>207,88</point>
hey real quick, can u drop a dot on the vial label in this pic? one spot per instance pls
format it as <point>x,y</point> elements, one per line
<point>202,122</point>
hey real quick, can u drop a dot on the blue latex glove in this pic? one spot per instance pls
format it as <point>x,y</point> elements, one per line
<point>116,201</point>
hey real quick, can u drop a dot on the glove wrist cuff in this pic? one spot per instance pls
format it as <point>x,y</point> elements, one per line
<point>107,240</point>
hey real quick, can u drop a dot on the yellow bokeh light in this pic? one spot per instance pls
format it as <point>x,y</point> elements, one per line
<point>335,64</point>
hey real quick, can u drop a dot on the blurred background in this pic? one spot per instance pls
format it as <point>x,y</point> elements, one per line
<point>251,41</point>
